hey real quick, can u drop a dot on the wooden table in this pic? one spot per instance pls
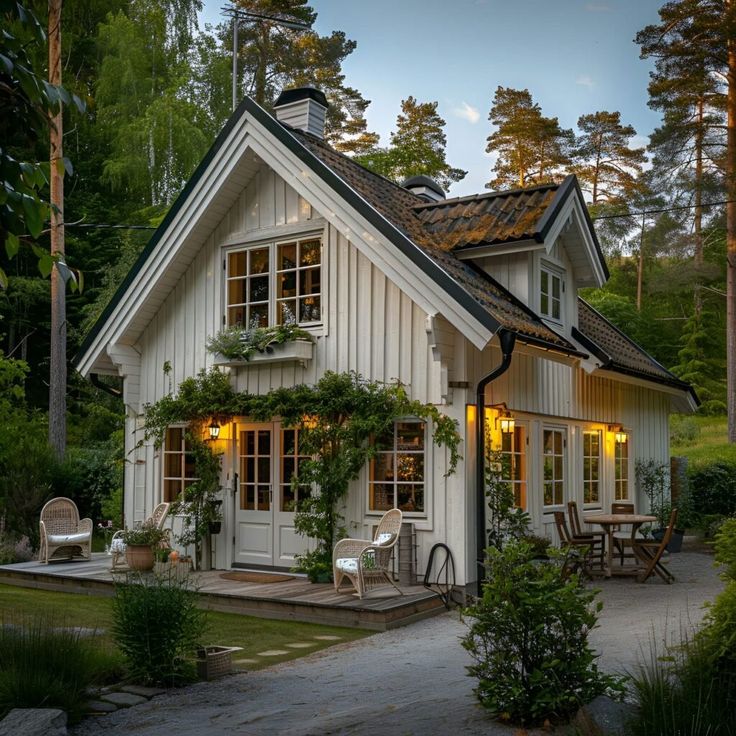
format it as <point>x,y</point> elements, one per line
<point>608,522</point>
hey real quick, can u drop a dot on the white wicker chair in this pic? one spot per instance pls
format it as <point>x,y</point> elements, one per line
<point>117,545</point>
<point>63,534</point>
<point>364,562</point>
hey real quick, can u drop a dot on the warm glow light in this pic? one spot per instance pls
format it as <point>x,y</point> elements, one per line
<point>507,423</point>
<point>214,429</point>
<point>309,421</point>
<point>470,410</point>
<point>621,437</point>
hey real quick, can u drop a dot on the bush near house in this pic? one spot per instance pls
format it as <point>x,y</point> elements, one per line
<point>529,639</point>
<point>710,496</point>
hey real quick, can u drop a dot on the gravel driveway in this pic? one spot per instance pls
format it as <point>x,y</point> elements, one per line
<point>407,681</point>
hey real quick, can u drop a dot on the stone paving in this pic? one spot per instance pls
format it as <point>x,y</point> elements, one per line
<point>406,681</point>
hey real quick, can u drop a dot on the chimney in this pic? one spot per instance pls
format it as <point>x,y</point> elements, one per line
<point>428,189</point>
<point>303,108</point>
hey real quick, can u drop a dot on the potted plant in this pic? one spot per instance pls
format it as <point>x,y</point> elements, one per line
<point>139,545</point>
<point>653,478</point>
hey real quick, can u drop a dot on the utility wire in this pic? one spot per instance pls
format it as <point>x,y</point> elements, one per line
<point>664,209</point>
<point>102,226</point>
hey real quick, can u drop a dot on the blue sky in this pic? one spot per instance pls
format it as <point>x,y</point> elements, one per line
<point>575,57</point>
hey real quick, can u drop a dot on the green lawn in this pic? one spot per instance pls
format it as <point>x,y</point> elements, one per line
<point>254,635</point>
<point>711,443</point>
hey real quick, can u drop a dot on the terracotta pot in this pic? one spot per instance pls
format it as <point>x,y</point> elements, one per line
<point>139,556</point>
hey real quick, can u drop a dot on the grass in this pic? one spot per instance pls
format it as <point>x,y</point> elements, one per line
<point>254,635</point>
<point>710,445</point>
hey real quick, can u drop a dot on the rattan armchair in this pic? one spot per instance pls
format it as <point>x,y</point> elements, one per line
<point>364,562</point>
<point>117,545</point>
<point>63,534</point>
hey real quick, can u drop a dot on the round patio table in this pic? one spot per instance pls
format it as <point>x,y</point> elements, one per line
<point>608,522</point>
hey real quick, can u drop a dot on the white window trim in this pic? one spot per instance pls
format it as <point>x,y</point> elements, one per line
<point>554,271</point>
<point>631,495</point>
<point>585,429</point>
<point>566,431</point>
<point>316,327</point>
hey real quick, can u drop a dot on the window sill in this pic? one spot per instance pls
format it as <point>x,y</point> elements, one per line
<point>296,351</point>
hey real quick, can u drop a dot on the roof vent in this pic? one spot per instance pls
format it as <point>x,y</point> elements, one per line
<point>428,189</point>
<point>303,108</point>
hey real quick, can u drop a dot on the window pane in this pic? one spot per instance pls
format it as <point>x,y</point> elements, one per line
<point>555,310</point>
<point>236,291</point>
<point>545,284</point>
<point>309,281</point>
<point>258,260</point>
<point>258,316</point>
<point>258,289</point>
<point>310,253</point>
<point>172,464</point>
<point>381,497</point>
<point>237,263</point>
<point>544,304</point>
<point>309,309</point>
<point>287,284</point>
<point>555,287</point>
<point>286,257</point>
<point>410,467</point>
<point>383,466</point>
<point>410,435</point>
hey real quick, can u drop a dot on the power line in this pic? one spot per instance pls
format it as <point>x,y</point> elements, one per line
<point>104,226</point>
<point>664,209</point>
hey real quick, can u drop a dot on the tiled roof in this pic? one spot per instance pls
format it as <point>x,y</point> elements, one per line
<point>400,208</point>
<point>488,219</point>
<point>623,354</point>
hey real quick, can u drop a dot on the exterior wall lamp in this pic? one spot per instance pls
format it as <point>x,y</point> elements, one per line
<point>214,429</point>
<point>618,431</point>
<point>507,423</point>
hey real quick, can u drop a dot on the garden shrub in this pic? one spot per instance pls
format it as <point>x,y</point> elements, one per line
<point>44,664</point>
<point>684,430</point>
<point>712,489</point>
<point>529,639</point>
<point>157,626</point>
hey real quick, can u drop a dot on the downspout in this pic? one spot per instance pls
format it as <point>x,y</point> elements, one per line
<point>508,341</point>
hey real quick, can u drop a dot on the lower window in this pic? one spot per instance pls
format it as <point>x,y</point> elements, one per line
<point>591,466</point>
<point>554,466</point>
<point>621,483</point>
<point>178,464</point>
<point>397,472</point>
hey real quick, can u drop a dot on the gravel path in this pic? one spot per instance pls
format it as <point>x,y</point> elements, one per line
<point>407,681</point>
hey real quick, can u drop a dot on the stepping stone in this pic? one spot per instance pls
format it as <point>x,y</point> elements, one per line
<point>301,644</point>
<point>328,637</point>
<point>144,692</point>
<point>100,706</point>
<point>124,700</point>
<point>34,721</point>
<point>245,661</point>
<point>273,653</point>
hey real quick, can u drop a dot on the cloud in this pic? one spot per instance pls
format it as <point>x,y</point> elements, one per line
<point>597,8</point>
<point>467,112</point>
<point>585,81</point>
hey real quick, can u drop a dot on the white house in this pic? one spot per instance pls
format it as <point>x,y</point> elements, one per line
<point>470,302</point>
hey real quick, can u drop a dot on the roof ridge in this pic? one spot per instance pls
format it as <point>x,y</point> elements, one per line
<point>487,195</point>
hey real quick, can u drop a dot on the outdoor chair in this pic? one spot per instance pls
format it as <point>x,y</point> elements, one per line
<point>63,534</point>
<point>576,528</point>
<point>117,545</point>
<point>623,538</point>
<point>364,562</point>
<point>649,553</point>
<point>588,548</point>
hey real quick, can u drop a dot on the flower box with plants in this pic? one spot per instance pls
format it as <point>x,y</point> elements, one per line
<point>236,345</point>
<point>140,544</point>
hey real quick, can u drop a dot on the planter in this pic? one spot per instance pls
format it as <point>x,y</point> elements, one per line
<point>214,661</point>
<point>139,557</point>
<point>675,543</point>
<point>295,351</point>
<point>215,527</point>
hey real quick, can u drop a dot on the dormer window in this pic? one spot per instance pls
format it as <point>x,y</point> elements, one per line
<point>551,287</point>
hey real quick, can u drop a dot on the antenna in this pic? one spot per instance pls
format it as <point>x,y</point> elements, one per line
<point>237,14</point>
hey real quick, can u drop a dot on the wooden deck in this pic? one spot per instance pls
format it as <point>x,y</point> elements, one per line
<point>297,599</point>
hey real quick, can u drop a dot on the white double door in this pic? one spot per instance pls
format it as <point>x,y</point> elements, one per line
<point>267,457</point>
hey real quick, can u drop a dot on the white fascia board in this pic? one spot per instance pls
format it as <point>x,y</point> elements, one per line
<point>167,247</point>
<point>413,281</point>
<point>681,400</point>
<point>481,251</point>
<point>573,210</point>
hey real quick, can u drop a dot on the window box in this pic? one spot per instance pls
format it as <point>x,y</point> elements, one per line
<point>294,351</point>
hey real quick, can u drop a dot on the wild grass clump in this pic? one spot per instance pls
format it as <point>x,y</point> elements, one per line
<point>44,664</point>
<point>158,626</point>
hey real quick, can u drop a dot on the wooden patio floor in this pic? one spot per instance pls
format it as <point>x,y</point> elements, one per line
<point>296,599</point>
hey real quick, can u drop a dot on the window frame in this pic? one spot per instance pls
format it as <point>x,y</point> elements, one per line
<point>622,462</point>
<point>274,300</point>
<point>183,479</point>
<point>426,479</point>
<point>517,452</point>
<point>552,272</point>
<point>597,503</point>
<point>564,478</point>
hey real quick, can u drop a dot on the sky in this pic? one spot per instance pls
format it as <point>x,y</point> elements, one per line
<point>575,57</point>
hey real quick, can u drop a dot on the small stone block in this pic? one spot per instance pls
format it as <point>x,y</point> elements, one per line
<point>245,661</point>
<point>604,717</point>
<point>272,653</point>
<point>34,722</point>
<point>328,637</point>
<point>124,700</point>
<point>144,692</point>
<point>301,644</point>
<point>100,706</point>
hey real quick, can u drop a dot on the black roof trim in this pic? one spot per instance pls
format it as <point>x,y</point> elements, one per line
<point>588,344</point>
<point>539,343</point>
<point>297,94</point>
<point>160,230</point>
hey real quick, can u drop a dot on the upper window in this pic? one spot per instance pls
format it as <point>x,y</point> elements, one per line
<point>550,294</point>
<point>397,473</point>
<point>178,464</point>
<point>554,466</point>
<point>275,284</point>
<point>592,467</point>
<point>621,456</point>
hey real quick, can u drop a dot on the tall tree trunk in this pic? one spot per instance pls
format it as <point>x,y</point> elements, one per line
<point>698,224</point>
<point>57,370</point>
<point>731,231</point>
<point>640,268</point>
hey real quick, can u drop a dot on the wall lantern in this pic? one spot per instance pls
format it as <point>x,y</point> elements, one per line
<point>621,437</point>
<point>214,429</point>
<point>309,421</point>
<point>507,423</point>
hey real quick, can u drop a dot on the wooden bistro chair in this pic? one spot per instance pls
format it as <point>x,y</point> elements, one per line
<point>576,527</point>
<point>63,534</point>
<point>364,562</point>
<point>117,545</point>
<point>623,538</point>
<point>593,546</point>
<point>649,553</point>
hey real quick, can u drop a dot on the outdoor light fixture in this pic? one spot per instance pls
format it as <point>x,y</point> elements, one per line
<point>214,429</point>
<point>507,422</point>
<point>618,431</point>
<point>621,437</point>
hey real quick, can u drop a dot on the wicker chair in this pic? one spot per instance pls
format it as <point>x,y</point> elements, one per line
<point>117,545</point>
<point>364,562</point>
<point>63,534</point>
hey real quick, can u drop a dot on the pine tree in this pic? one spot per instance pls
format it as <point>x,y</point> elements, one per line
<point>532,149</point>
<point>698,37</point>
<point>417,147</point>
<point>605,163</point>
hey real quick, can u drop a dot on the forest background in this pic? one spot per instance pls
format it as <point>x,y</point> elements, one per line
<point>156,90</point>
